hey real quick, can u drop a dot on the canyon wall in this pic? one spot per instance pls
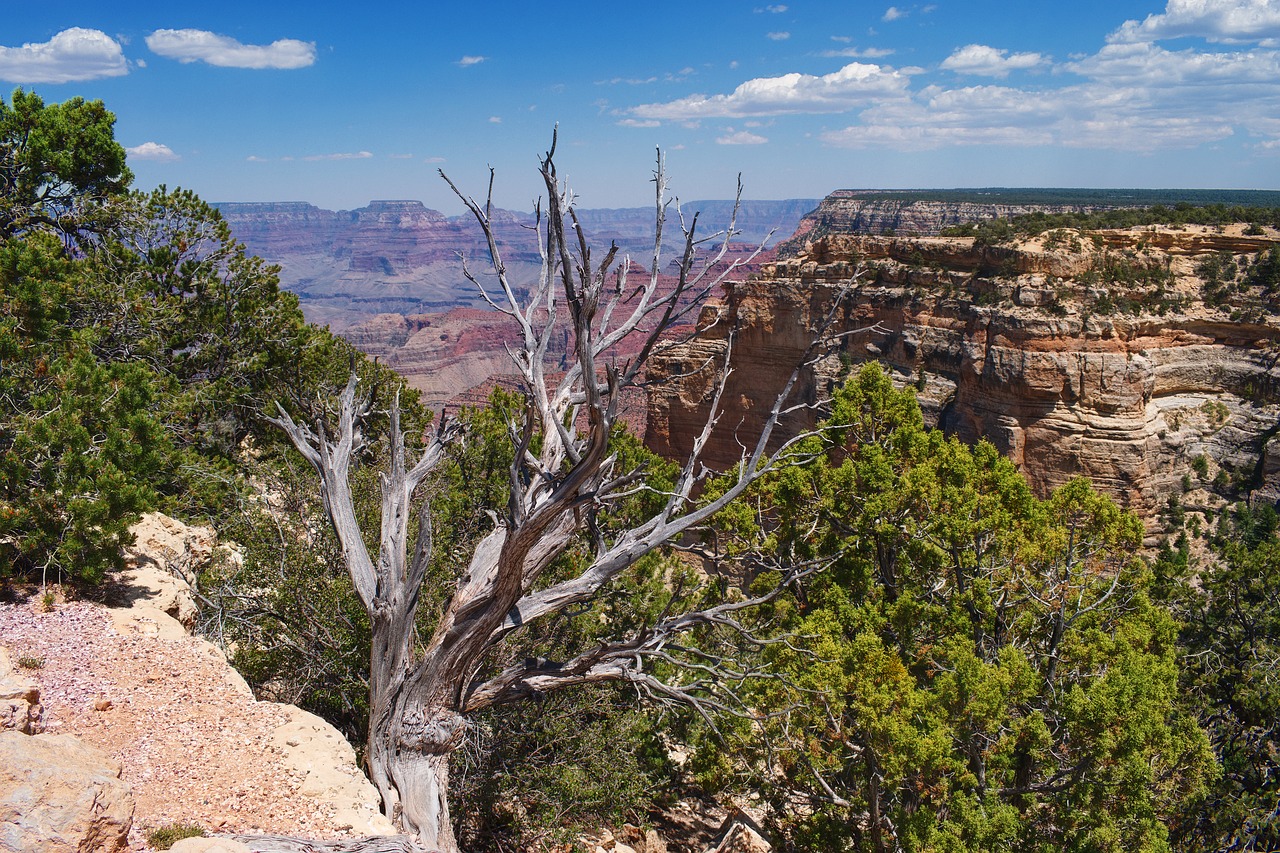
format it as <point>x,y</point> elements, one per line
<point>1103,355</point>
<point>847,212</point>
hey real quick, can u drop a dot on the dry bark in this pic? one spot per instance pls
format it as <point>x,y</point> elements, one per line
<point>420,701</point>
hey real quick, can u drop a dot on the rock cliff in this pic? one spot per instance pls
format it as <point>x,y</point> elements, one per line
<point>1124,356</point>
<point>877,212</point>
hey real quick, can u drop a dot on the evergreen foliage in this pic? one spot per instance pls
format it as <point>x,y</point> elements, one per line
<point>992,231</point>
<point>980,669</point>
<point>58,164</point>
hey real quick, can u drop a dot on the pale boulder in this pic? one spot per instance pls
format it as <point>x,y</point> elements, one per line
<point>326,763</point>
<point>20,709</point>
<point>58,795</point>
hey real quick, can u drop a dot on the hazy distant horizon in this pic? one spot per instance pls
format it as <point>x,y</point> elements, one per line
<point>1141,195</point>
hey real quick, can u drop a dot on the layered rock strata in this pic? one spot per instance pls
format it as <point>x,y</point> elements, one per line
<point>1105,355</point>
<point>877,212</point>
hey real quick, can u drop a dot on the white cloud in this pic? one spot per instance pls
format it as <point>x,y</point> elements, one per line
<point>776,9</point>
<point>990,62</point>
<point>1141,103</point>
<point>1133,97</point>
<point>1188,71</point>
<point>1229,21</point>
<point>400,156</point>
<point>254,158</point>
<point>495,119</point>
<point>854,85</point>
<point>858,53</point>
<point>636,122</point>
<point>471,60</point>
<point>893,13</point>
<point>630,81</point>
<point>153,151</point>
<point>356,155</point>
<point>225,52</point>
<point>741,137</point>
<point>433,160</point>
<point>949,117</point>
<point>779,36</point>
<point>72,55</point>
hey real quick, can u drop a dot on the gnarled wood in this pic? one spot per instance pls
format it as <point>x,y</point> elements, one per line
<point>291,844</point>
<point>419,703</point>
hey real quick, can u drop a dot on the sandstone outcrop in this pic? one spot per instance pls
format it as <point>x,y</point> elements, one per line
<point>1076,354</point>
<point>158,603</point>
<point>58,795</point>
<point>162,564</point>
<point>20,709</point>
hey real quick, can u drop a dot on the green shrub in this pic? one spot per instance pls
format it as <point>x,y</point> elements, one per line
<point>1201,466</point>
<point>164,837</point>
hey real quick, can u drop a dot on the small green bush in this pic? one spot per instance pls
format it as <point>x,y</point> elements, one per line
<point>1201,466</point>
<point>30,662</point>
<point>164,837</point>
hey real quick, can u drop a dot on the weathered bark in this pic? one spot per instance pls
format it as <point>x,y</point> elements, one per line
<point>290,844</point>
<point>419,700</point>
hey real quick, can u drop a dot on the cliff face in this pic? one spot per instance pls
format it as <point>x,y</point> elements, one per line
<point>850,212</point>
<point>1102,355</point>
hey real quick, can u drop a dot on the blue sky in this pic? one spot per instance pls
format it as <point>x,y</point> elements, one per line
<point>338,103</point>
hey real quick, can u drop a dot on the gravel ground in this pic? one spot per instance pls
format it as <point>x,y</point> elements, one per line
<point>194,748</point>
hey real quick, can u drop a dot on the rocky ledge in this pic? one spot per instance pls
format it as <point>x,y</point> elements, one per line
<point>1139,358</point>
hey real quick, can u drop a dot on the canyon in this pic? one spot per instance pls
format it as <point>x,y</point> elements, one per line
<point>1097,354</point>
<point>389,278</point>
<point>1102,353</point>
<point>401,257</point>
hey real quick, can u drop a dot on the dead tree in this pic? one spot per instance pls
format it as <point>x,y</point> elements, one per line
<point>563,475</point>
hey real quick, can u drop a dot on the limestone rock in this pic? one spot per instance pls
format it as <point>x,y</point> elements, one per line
<point>857,212</point>
<point>740,837</point>
<point>20,709</point>
<point>327,764</point>
<point>57,794</point>
<point>1026,345</point>
<point>163,561</point>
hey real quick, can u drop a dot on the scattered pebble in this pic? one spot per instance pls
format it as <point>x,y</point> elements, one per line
<point>192,748</point>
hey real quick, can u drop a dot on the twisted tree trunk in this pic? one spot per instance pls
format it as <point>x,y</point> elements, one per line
<point>561,477</point>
